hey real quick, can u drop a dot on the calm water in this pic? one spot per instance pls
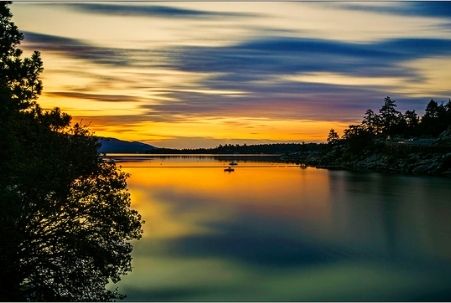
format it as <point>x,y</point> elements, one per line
<point>272,231</point>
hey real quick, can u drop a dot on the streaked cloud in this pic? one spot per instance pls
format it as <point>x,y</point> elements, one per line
<point>180,72</point>
<point>97,97</point>
<point>264,58</point>
<point>150,11</point>
<point>75,48</point>
<point>342,79</point>
<point>435,9</point>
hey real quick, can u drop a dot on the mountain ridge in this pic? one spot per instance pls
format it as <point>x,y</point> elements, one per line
<point>114,145</point>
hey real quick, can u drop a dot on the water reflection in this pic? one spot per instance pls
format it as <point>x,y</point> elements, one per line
<point>275,232</point>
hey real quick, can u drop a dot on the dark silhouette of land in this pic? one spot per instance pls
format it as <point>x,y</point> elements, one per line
<point>65,221</point>
<point>113,145</point>
<point>390,141</point>
<point>275,148</point>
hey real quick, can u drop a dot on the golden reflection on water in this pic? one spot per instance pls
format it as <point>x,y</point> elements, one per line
<point>252,188</point>
<point>279,232</point>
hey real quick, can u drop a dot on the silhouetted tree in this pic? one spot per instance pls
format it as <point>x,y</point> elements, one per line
<point>436,119</point>
<point>372,123</point>
<point>390,122</point>
<point>390,118</point>
<point>357,137</point>
<point>65,221</point>
<point>448,107</point>
<point>432,110</point>
<point>412,122</point>
<point>448,114</point>
<point>333,137</point>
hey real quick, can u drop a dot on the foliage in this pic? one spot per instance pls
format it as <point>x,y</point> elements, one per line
<point>66,221</point>
<point>412,122</point>
<point>357,137</point>
<point>390,123</point>
<point>436,118</point>
<point>333,137</point>
<point>390,119</point>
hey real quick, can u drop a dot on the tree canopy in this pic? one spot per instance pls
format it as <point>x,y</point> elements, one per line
<point>392,123</point>
<point>66,223</point>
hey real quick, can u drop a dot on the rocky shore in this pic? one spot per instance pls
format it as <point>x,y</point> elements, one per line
<point>416,164</point>
<point>432,158</point>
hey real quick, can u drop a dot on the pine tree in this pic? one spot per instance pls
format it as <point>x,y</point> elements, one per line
<point>65,221</point>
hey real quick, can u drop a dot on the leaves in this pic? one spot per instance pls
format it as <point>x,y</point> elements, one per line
<point>66,224</point>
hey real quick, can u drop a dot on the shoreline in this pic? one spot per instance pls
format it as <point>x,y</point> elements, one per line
<point>412,164</point>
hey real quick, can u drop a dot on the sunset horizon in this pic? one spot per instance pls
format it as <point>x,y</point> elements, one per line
<point>225,151</point>
<point>200,74</point>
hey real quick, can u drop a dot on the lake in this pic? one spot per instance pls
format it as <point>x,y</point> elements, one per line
<point>275,231</point>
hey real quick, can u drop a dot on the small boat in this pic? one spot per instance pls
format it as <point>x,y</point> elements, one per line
<point>303,166</point>
<point>229,169</point>
<point>233,163</point>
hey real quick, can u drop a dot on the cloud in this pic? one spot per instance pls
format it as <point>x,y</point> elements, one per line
<point>76,48</point>
<point>262,68</point>
<point>151,11</point>
<point>266,72</point>
<point>284,100</point>
<point>263,58</point>
<point>436,9</point>
<point>111,120</point>
<point>95,54</point>
<point>96,97</point>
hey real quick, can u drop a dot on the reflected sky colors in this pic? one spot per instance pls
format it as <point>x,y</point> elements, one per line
<point>269,231</point>
<point>185,74</point>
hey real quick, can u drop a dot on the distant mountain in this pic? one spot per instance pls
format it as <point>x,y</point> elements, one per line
<point>113,145</point>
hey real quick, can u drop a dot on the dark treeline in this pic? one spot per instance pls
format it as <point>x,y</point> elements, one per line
<point>391,141</point>
<point>276,148</point>
<point>390,123</point>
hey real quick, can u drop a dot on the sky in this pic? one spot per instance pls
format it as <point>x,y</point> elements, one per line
<point>199,74</point>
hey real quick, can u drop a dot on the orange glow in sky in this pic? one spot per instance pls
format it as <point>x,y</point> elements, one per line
<point>199,74</point>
